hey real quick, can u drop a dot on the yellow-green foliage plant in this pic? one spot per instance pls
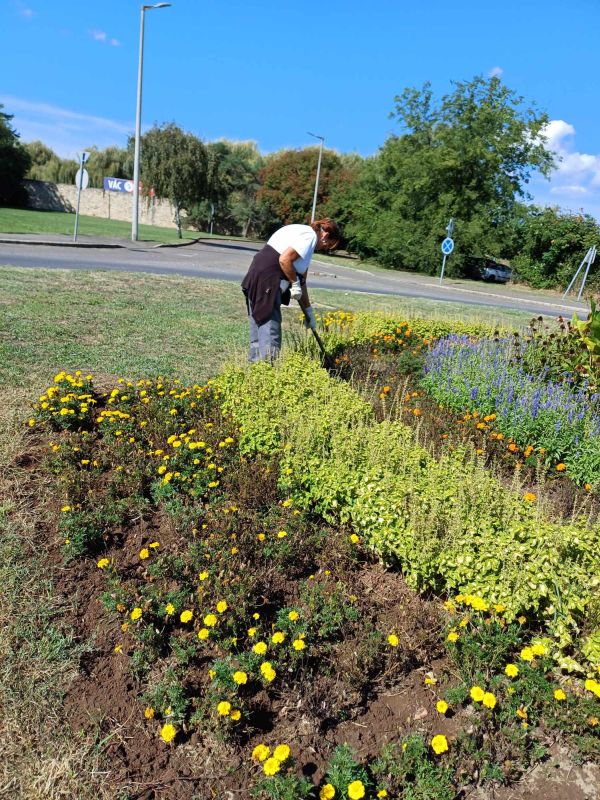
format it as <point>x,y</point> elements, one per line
<point>342,327</point>
<point>448,523</point>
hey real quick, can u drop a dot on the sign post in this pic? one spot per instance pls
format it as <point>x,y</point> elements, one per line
<point>81,181</point>
<point>447,248</point>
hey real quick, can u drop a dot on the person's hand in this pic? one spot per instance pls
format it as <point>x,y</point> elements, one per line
<point>310,320</point>
<point>296,290</point>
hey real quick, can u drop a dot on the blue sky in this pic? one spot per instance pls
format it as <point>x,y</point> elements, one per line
<point>271,71</point>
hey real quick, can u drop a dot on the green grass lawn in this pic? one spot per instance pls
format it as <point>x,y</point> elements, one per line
<point>133,324</point>
<point>19,220</point>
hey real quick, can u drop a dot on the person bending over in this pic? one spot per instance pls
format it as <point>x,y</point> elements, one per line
<point>276,275</point>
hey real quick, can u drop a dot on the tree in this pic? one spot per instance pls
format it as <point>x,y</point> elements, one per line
<point>551,244</point>
<point>468,157</point>
<point>14,161</point>
<point>233,181</point>
<point>174,164</point>
<point>112,162</point>
<point>288,183</point>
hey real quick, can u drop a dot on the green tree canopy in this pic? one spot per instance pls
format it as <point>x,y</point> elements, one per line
<point>14,161</point>
<point>550,245</point>
<point>175,165</point>
<point>469,157</point>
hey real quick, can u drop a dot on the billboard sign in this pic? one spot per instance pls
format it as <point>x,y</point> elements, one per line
<point>118,185</point>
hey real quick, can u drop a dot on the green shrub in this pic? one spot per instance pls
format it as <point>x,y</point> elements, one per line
<point>447,523</point>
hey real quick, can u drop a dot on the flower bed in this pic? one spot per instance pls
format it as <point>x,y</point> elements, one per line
<point>541,417</point>
<point>239,622</point>
<point>447,522</point>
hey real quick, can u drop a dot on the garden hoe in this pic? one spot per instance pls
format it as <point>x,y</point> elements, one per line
<point>327,362</point>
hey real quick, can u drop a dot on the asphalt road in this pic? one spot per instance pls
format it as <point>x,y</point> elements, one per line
<point>223,260</point>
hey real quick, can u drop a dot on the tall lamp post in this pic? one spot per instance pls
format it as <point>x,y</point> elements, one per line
<point>314,205</point>
<point>138,126</point>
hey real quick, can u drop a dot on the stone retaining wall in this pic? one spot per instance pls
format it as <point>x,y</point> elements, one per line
<point>46,196</point>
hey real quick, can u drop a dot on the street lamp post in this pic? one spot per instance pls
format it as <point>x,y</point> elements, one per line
<point>314,205</point>
<point>138,125</point>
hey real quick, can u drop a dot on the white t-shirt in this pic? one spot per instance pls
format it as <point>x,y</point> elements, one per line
<point>302,238</point>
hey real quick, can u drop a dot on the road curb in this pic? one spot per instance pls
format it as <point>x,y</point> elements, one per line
<point>98,245</point>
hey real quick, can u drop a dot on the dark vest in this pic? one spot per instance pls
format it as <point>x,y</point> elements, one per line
<point>261,284</point>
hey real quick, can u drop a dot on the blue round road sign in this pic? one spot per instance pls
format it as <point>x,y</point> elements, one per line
<point>447,246</point>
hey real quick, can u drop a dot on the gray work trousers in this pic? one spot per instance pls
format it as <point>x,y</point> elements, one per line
<point>265,339</point>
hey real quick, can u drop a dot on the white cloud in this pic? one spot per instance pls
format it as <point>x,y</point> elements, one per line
<point>566,191</point>
<point>102,36</point>
<point>62,129</point>
<point>577,175</point>
<point>496,72</point>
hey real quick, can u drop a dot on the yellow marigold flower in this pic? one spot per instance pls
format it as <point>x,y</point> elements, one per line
<point>298,644</point>
<point>529,497</point>
<point>521,713</point>
<point>356,790</point>
<point>154,545</point>
<point>236,715</point>
<point>144,553</point>
<point>203,633</point>
<point>430,681</point>
<point>489,700</point>
<point>477,694</point>
<point>479,604</point>
<point>593,686</point>
<point>293,616</point>
<point>453,636</point>
<point>521,620</point>
<point>561,467</point>
<point>136,614</point>
<point>527,654</point>
<point>64,509</point>
<point>260,648</point>
<point>278,637</point>
<point>511,670</point>
<point>499,608</point>
<point>442,706</point>
<point>186,615</point>
<point>251,632</point>
<point>149,712</point>
<point>354,538</point>
<point>559,694</point>
<point>382,793</point>
<point>170,609</point>
<point>282,534</point>
<point>393,640</point>
<point>327,792</point>
<point>222,606</point>
<point>203,576</point>
<point>538,650</point>
<point>168,732</point>
<point>267,671</point>
<point>104,562</point>
<point>260,752</point>
<point>223,708</point>
<point>281,752</point>
<point>210,620</point>
<point>271,766</point>
<point>240,677</point>
<point>439,744</point>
